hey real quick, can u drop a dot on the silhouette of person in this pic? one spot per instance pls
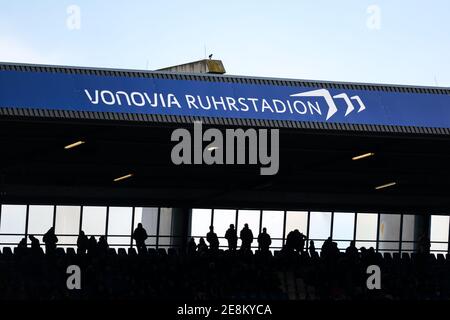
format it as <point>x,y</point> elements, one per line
<point>23,243</point>
<point>192,246</point>
<point>312,248</point>
<point>352,251</point>
<point>246,236</point>
<point>264,240</point>
<point>102,244</point>
<point>50,240</point>
<point>82,243</point>
<point>212,239</point>
<point>326,247</point>
<point>35,244</point>
<point>293,240</point>
<point>301,242</point>
<point>202,247</point>
<point>424,244</point>
<point>92,246</point>
<point>140,235</point>
<point>231,236</point>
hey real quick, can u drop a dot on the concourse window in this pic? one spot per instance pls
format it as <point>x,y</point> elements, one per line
<point>252,217</point>
<point>94,221</point>
<point>366,230</point>
<point>222,221</point>
<point>148,216</point>
<point>165,227</point>
<point>200,222</point>
<point>67,225</point>
<point>40,219</point>
<point>389,232</point>
<point>319,227</point>
<point>119,225</point>
<point>343,228</point>
<point>408,233</point>
<point>439,234</point>
<point>273,221</point>
<point>297,220</point>
<point>12,222</point>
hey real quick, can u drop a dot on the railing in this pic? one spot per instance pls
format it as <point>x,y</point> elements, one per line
<point>167,241</point>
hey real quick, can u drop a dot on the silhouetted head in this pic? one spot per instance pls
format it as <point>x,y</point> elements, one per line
<point>31,237</point>
<point>246,225</point>
<point>139,225</point>
<point>211,228</point>
<point>264,230</point>
<point>352,243</point>
<point>311,243</point>
<point>202,241</point>
<point>82,232</point>
<point>231,226</point>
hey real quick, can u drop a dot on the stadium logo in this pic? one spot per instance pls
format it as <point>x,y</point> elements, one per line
<point>332,108</point>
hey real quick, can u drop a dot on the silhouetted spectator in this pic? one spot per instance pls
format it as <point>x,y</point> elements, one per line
<point>352,251</point>
<point>202,247</point>
<point>92,246</point>
<point>35,244</point>
<point>246,237</point>
<point>312,248</point>
<point>212,239</point>
<point>82,243</point>
<point>301,242</point>
<point>264,240</point>
<point>22,244</point>
<point>231,236</point>
<point>102,244</point>
<point>326,247</point>
<point>50,240</point>
<point>424,244</point>
<point>192,246</point>
<point>295,241</point>
<point>140,235</point>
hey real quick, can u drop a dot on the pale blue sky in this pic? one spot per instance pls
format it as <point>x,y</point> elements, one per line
<point>323,40</point>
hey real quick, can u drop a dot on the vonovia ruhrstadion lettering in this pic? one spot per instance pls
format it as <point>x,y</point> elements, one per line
<point>207,102</point>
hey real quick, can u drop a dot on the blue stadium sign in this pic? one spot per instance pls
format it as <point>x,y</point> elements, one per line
<point>81,92</point>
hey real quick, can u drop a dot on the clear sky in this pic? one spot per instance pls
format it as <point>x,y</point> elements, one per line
<point>379,41</point>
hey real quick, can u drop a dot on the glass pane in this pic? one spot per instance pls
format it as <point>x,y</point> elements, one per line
<point>119,221</point>
<point>297,220</point>
<point>148,216</point>
<point>200,222</point>
<point>13,219</point>
<point>119,240</point>
<point>66,240</point>
<point>439,232</point>
<point>67,220</point>
<point>408,227</point>
<point>165,226</point>
<point>94,220</point>
<point>40,219</point>
<point>343,227</point>
<point>9,241</point>
<point>366,229</point>
<point>389,231</point>
<point>273,221</point>
<point>222,221</point>
<point>320,226</point>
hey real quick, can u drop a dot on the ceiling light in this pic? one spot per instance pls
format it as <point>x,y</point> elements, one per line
<point>75,144</point>
<point>362,156</point>
<point>123,177</point>
<point>387,185</point>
